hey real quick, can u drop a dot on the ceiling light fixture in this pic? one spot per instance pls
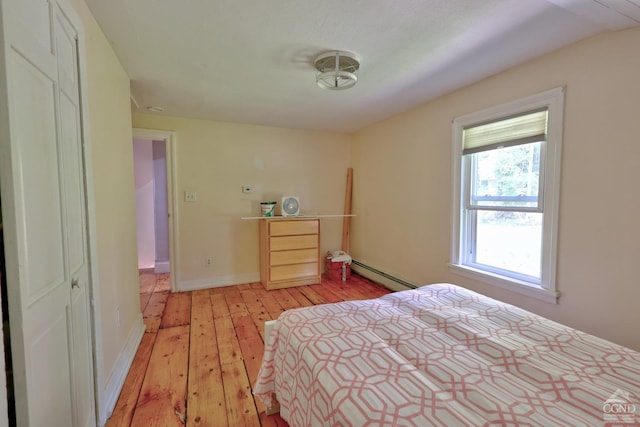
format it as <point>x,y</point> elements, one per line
<point>154,109</point>
<point>336,70</point>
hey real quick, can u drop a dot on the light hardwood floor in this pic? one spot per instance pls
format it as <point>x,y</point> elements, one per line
<point>202,350</point>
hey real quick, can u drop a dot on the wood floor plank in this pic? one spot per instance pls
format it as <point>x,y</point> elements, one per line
<point>200,293</point>
<point>241,408</point>
<point>245,328</point>
<point>251,300</point>
<point>147,282</point>
<point>123,412</point>
<point>274,420</point>
<point>348,290</point>
<point>219,305</point>
<point>228,346</point>
<point>373,291</point>
<point>251,344</point>
<point>259,320</point>
<point>177,312</point>
<point>244,286</point>
<point>284,298</point>
<point>205,402</point>
<point>299,297</point>
<point>252,347</point>
<point>152,315</point>
<point>312,295</point>
<point>163,394</point>
<point>144,300</point>
<point>223,329</point>
<point>340,289</point>
<point>235,302</point>
<point>326,293</point>
<point>269,302</point>
<point>163,283</point>
<point>256,310</point>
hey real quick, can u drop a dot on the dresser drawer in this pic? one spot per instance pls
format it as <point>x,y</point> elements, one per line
<point>288,228</point>
<point>298,256</point>
<point>296,271</point>
<point>284,243</point>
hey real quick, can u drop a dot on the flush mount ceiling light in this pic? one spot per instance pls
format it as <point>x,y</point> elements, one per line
<point>336,70</point>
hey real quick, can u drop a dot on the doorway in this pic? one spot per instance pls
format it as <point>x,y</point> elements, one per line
<point>154,202</point>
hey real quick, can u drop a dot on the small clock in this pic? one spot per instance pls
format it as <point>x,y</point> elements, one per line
<point>290,206</point>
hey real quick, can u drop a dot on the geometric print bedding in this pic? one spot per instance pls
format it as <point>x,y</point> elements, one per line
<point>442,355</point>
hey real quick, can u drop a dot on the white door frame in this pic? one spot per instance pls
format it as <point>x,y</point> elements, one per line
<point>170,142</point>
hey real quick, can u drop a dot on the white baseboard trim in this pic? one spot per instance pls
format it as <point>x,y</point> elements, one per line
<point>114,384</point>
<point>162,267</point>
<point>218,282</point>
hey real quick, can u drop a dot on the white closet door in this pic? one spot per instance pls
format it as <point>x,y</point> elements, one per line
<point>44,285</point>
<point>74,210</point>
<point>49,317</point>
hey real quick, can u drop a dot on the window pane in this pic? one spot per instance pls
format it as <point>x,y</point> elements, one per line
<point>510,241</point>
<point>506,177</point>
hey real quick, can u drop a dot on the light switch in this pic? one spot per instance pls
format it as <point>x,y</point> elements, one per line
<point>189,196</point>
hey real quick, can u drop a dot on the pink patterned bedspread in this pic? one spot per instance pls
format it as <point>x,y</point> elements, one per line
<point>443,355</point>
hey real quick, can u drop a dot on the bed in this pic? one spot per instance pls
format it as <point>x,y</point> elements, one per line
<point>442,355</point>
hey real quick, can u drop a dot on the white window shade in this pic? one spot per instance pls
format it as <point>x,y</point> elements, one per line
<point>521,129</point>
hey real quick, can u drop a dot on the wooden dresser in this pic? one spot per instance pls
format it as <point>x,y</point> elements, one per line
<point>289,252</point>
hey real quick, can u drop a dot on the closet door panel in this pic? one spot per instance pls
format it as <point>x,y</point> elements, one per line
<point>34,135</point>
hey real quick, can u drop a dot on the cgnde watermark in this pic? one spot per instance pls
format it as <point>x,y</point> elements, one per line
<point>620,408</point>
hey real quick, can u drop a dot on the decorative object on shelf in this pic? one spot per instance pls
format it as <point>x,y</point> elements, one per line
<point>336,70</point>
<point>268,208</point>
<point>290,206</point>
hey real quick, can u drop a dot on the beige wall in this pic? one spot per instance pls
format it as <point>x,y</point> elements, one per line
<point>114,196</point>
<point>402,185</point>
<point>215,160</point>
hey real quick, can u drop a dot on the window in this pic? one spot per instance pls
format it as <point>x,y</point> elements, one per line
<point>506,191</point>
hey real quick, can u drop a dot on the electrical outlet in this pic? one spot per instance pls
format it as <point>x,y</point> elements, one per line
<point>189,196</point>
<point>209,262</point>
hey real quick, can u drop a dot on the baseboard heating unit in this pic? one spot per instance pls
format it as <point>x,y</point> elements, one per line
<point>390,281</point>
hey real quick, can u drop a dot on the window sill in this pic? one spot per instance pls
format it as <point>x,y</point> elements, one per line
<point>503,282</point>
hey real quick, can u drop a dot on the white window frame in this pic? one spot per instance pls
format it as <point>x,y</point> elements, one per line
<point>545,290</point>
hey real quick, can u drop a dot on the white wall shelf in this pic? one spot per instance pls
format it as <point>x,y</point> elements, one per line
<point>297,216</point>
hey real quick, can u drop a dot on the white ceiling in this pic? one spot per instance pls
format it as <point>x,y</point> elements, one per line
<point>251,61</point>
